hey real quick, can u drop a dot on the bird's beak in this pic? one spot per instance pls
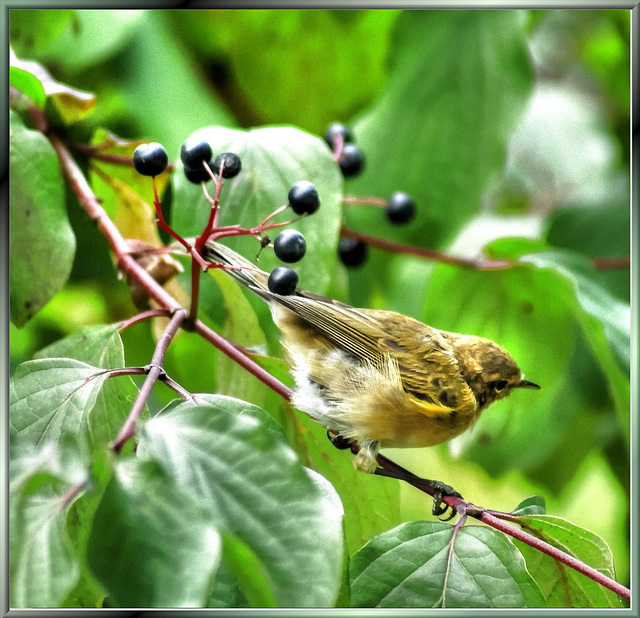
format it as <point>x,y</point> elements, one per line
<point>526,384</point>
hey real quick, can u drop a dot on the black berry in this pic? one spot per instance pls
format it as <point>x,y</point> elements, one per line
<point>194,151</point>
<point>334,131</point>
<point>283,280</point>
<point>400,208</point>
<point>290,246</point>
<point>351,160</point>
<point>150,159</point>
<point>232,164</point>
<point>352,252</point>
<point>197,174</point>
<point>304,198</point>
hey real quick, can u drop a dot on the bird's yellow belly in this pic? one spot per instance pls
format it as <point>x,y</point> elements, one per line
<point>410,429</point>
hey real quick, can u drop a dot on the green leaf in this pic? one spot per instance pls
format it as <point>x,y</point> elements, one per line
<point>529,314</point>
<point>560,585</point>
<point>100,346</point>
<point>234,458</point>
<point>249,571</point>
<point>52,396</point>
<point>535,505</point>
<point>69,104</point>
<point>371,503</point>
<point>29,84</point>
<point>43,563</point>
<point>242,327</point>
<point>273,160</point>
<point>83,38</point>
<point>598,233</point>
<point>152,544</point>
<point>605,320</point>
<point>567,334</point>
<point>458,84</point>
<point>42,242</point>
<point>342,52</point>
<point>31,31</point>
<point>424,564</point>
<point>167,85</point>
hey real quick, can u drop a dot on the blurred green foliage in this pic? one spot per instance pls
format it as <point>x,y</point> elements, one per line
<point>498,123</point>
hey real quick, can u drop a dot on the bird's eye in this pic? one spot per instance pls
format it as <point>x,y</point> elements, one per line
<point>499,385</point>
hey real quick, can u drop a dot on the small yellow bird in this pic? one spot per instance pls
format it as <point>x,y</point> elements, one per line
<point>378,377</point>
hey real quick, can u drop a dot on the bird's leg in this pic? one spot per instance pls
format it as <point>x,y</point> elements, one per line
<point>440,490</point>
<point>340,442</point>
<point>368,451</point>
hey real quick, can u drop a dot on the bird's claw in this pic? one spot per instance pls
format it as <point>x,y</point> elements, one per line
<point>442,490</point>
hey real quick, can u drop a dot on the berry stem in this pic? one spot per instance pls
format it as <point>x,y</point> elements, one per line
<point>337,147</point>
<point>364,201</point>
<point>195,289</point>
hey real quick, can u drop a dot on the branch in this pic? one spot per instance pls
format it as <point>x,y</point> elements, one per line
<point>155,372</point>
<point>429,254</point>
<point>495,520</point>
<point>620,263</point>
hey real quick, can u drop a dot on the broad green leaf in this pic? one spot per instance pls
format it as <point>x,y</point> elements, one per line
<point>100,346</point>
<point>424,564</point>
<point>42,242</point>
<point>458,84</point>
<point>560,585</point>
<point>43,563</point>
<point>535,505</point>
<point>152,543</point>
<point>249,571</point>
<point>273,160</point>
<point>339,63</point>
<point>52,396</point>
<point>32,31</point>
<point>69,104</point>
<point>167,93</point>
<point>604,319</point>
<point>234,459</point>
<point>526,312</point>
<point>371,503</point>
<point>29,84</point>
<point>242,327</point>
<point>547,313</point>
<point>83,38</point>
<point>88,592</point>
<point>598,233</point>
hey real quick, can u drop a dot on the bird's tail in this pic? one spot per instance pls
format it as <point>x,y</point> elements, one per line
<point>242,270</point>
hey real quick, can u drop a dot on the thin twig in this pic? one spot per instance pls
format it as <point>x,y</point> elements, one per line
<point>140,317</point>
<point>430,254</point>
<point>155,371</point>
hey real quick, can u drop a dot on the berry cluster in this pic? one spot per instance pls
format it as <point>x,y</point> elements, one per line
<point>350,157</point>
<point>289,246</point>
<point>197,157</point>
<point>399,209</point>
<point>200,167</point>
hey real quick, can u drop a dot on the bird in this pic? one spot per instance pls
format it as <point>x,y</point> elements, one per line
<point>376,377</point>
